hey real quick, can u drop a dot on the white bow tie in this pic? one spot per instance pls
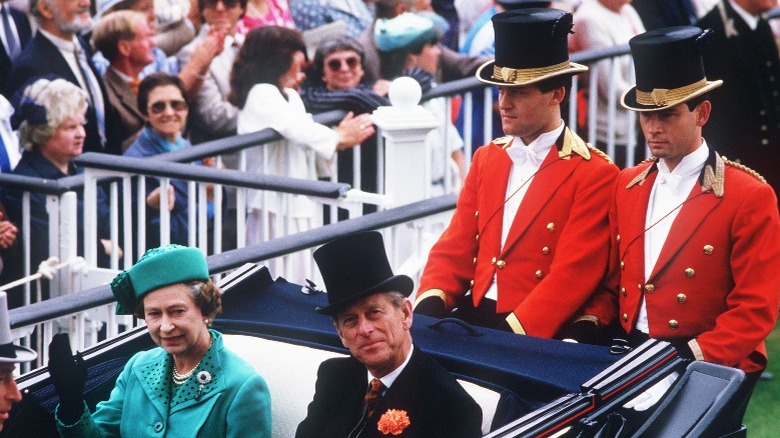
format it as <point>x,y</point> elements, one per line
<point>671,180</point>
<point>523,154</point>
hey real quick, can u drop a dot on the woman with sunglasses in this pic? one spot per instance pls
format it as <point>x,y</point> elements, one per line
<point>265,77</point>
<point>336,83</point>
<point>161,100</point>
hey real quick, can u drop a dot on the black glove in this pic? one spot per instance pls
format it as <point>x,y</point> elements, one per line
<point>68,373</point>
<point>431,306</point>
<point>583,331</point>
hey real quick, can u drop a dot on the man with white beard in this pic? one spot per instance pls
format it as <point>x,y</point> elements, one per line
<point>57,50</point>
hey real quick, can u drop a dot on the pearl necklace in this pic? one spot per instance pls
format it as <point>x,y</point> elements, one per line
<point>181,379</point>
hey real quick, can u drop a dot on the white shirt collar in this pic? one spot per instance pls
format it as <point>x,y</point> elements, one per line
<point>691,164</point>
<point>748,18</point>
<point>62,44</point>
<point>6,110</point>
<point>123,76</point>
<point>390,377</point>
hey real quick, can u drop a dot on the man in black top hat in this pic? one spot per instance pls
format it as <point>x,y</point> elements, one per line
<point>528,242</point>
<point>10,355</point>
<point>693,234</point>
<point>388,386</point>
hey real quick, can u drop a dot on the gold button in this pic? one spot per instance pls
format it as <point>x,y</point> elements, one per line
<point>623,291</point>
<point>476,213</point>
<point>551,226</point>
<point>708,249</point>
<point>545,250</point>
<point>622,265</point>
<point>493,260</point>
<point>625,317</point>
<point>681,298</point>
<point>539,274</point>
<point>471,283</point>
<point>649,288</point>
<point>617,237</point>
<point>501,264</point>
<point>639,286</point>
<point>477,237</point>
<point>673,324</point>
<point>475,260</point>
<point>690,272</point>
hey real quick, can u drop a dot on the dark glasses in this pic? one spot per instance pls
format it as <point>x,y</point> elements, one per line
<point>229,4</point>
<point>176,105</point>
<point>335,64</point>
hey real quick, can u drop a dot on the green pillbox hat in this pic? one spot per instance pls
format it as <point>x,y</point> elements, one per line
<point>158,267</point>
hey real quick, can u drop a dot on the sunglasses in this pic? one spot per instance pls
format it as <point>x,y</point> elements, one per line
<point>335,64</point>
<point>176,105</point>
<point>229,4</point>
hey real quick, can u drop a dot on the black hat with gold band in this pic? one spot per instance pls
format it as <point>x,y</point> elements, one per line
<point>531,45</point>
<point>669,68</point>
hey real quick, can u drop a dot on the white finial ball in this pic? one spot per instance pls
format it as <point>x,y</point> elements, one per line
<point>404,92</point>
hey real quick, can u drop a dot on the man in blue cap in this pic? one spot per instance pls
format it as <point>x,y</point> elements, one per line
<point>387,386</point>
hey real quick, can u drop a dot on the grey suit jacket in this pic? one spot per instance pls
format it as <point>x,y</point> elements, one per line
<point>125,101</point>
<point>212,116</point>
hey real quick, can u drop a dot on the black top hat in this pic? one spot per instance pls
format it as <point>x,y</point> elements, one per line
<point>669,68</point>
<point>354,267</point>
<point>531,45</point>
<point>511,5</point>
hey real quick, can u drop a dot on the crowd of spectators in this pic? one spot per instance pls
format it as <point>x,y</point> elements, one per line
<point>107,47</point>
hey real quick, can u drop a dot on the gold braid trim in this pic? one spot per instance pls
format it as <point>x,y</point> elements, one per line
<point>438,293</point>
<point>662,96</point>
<point>590,318</point>
<point>522,75</point>
<point>714,179</point>
<point>742,167</point>
<point>514,324</point>
<point>503,141</point>
<point>600,153</point>
<point>573,144</point>
<point>693,344</point>
<point>639,179</point>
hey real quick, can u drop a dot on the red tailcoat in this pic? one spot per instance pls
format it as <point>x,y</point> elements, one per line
<point>717,279</point>
<point>557,248</point>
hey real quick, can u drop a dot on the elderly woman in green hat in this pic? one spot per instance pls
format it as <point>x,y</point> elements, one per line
<point>190,386</point>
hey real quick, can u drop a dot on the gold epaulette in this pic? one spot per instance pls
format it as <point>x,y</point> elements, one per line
<point>648,160</point>
<point>600,153</point>
<point>744,168</point>
<point>640,179</point>
<point>503,141</point>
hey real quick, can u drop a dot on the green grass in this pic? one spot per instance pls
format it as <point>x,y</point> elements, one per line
<point>763,414</point>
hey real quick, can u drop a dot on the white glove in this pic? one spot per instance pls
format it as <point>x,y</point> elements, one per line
<point>650,397</point>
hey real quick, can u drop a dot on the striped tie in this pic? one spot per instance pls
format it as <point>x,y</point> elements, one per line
<point>372,396</point>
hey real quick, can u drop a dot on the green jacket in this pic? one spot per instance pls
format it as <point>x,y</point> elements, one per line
<point>234,403</point>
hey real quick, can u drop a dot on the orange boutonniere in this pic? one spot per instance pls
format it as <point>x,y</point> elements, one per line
<point>393,422</point>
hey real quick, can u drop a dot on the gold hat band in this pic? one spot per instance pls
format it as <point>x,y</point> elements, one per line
<point>519,76</point>
<point>662,96</point>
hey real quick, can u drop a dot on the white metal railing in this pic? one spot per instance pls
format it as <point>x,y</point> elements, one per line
<point>408,257</point>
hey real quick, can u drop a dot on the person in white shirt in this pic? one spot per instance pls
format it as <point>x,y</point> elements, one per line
<point>265,77</point>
